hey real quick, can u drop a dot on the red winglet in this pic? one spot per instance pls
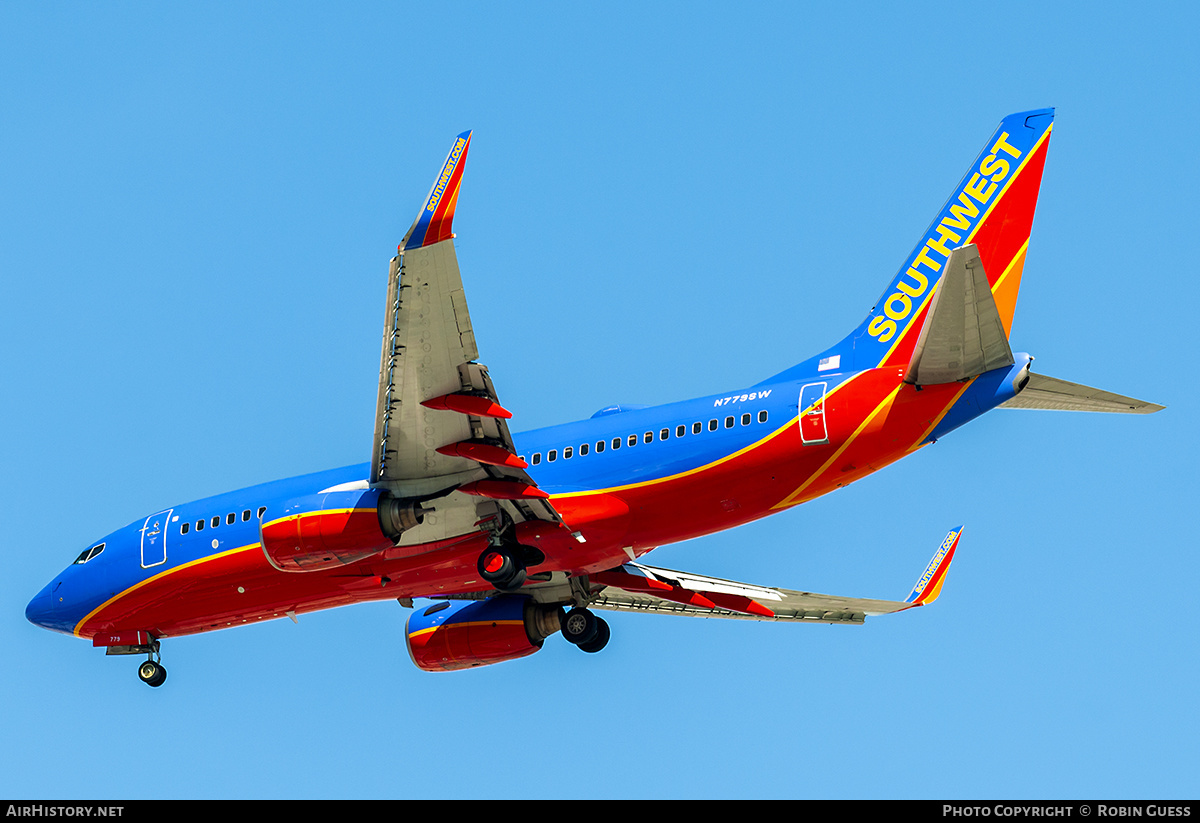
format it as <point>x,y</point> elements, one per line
<point>483,453</point>
<point>503,490</point>
<point>468,404</point>
<point>437,215</point>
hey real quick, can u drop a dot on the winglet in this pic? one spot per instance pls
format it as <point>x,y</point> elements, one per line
<point>433,223</point>
<point>930,585</point>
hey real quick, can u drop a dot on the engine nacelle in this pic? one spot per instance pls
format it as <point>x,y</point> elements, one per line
<point>455,635</point>
<point>323,531</point>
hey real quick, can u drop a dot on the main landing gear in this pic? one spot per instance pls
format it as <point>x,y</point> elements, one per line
<point>585,630</point>
<point>504,566</point>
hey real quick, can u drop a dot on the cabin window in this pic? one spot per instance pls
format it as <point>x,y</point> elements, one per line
<point>245,515</point>
<point>583,449</point>
<point>551,455</point>
<point>697,427</point>
<point>680,431</point>
<point>729,421</point>
<point>261,511</point>
<point>183,527</point>
<point>567,452</point>
<point>199,525</point>
<point>712,425</point>
<point>648,437</point>
<point>746,419</point>
<point>664,434</point>
<point>537,458</point>
<point>616,442</point>
<point>599,446</point>
<point>230,519</point>
<point>216,520</point>
<point>762,416</point>
<point>633,439</point>
<point>88,554</point>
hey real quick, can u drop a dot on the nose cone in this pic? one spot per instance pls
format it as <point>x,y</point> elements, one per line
<point>45,610</point>
<point>39,608</point>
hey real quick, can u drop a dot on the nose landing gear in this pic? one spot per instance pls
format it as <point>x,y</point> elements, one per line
<point>152,673</point>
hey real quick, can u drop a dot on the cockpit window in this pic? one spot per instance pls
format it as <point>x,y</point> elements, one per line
<point>88,554</point>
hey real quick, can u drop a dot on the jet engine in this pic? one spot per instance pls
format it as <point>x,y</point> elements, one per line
<point>454,635</point>
<point>323,531</point>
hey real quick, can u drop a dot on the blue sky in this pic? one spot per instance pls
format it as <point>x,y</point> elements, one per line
<point>661,201</point>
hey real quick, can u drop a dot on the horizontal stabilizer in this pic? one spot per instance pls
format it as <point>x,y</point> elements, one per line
<point>1053,394</point>
<point>963,335</point>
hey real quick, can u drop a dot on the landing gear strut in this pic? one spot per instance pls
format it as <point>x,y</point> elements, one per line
<point>585,630</point>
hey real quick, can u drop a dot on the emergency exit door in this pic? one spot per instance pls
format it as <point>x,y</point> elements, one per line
<point>812,414</point>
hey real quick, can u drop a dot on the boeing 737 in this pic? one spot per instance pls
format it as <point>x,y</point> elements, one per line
<point>515,537</point>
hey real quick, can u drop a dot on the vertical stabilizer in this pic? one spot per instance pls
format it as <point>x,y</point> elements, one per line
<point>992,208</point>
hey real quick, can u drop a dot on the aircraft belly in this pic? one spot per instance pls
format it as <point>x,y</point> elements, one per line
<point>240,587</point>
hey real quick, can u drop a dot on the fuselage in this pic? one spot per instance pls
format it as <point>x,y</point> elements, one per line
<point>628,479</point>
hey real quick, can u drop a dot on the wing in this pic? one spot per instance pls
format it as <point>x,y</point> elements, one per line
<point>634,587</point>
<point>440,431</point>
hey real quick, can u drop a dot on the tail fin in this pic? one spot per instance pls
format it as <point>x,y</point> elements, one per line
<point>992,208</point>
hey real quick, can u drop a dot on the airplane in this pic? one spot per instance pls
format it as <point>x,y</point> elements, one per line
<point>516,537</point>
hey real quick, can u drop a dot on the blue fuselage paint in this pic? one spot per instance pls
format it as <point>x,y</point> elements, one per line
<point>742,418</point>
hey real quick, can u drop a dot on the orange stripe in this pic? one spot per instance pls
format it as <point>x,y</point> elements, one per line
<point>790,500</point>
<point>715,463</point>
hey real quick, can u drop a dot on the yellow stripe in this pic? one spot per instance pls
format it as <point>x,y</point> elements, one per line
<point>318,511</point>
<point>921,440</point>
<point>160,576</point>
<point>983,217</point>
<point>715,463</point>
<point>1045,136</point>
<point>432,629</point>
<point>887,401</point>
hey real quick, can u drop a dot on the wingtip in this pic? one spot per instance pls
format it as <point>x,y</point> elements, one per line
<point>930,585</point>
<point>434,222</point>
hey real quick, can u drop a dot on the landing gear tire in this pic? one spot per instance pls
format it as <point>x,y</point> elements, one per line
<point>501,569</point>
<point>580,626</point>
<point>603,633</point>
<point>152,674</point>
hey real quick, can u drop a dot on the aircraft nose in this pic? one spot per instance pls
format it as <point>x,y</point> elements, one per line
<point>48,610</point>
<point>39,609</point>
